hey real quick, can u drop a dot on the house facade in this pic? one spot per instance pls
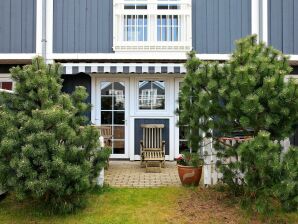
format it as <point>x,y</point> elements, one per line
<point>129,54</point>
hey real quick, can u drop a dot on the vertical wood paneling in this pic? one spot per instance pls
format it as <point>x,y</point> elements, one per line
<point>199,12</point>
<point>86,25</point>
<point>58,24</point>
<point>236,20</point>
<point>288,26</point>
<point>246,16</point>
<point>224,26</point>
<point>276,23</point>
<point>17,26</point>
<point>218,23</point>
<point>283,25</point>
<point>28,25</point>
<point>295,8</point>
<point>5,26</point>
<point>139,132</point>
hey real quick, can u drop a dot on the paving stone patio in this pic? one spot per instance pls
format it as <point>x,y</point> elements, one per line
<point>130,174</point>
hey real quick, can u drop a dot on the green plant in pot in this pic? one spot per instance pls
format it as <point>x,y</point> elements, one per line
<point>190,168</point>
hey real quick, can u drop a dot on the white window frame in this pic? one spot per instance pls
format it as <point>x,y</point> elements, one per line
<point>184,43</point>
<point>142,112</point>
<point>96,102</point>
<point>6,78</point>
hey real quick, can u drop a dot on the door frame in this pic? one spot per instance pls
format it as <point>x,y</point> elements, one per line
<point>168,113</point>
<point>177,81</point>
<point>96,102</point>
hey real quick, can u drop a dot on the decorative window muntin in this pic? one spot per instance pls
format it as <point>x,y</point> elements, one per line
<point>135,28</point>
<point>168,28</point>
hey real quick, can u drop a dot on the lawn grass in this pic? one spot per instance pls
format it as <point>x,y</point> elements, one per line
<point>172,205</point>
<point>124,205</point>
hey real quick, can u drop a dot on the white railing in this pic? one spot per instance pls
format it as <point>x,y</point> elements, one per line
<point>211,173</point>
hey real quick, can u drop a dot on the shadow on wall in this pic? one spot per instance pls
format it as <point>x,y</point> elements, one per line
<point>294,138</point>
<point>81,79</point>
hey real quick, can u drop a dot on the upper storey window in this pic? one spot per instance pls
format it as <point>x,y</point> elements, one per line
<point>155,25</point>
<point>135,28</point>
<point>170,4</point>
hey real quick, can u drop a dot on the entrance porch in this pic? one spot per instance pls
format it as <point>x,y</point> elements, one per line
<point>130,174</point>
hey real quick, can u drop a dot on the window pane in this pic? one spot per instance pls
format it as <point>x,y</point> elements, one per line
<point>118,147</point>
<point>118,132</point>
<point>145,33</point>
<point>151,95</point>
<point>119,102</point>
<point>183,146</point>
<point>106,117</point>
<point>106,103</point>
<point>129,6</point>
<point>6,85</point>
<point>119,88</point>
<point>106,88</point>
<point>129,20</point>
<point>119,117</point>
<point>182,132</point>
<point>140,34</point>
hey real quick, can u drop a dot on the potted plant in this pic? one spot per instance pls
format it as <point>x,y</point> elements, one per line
<point>190,168</point>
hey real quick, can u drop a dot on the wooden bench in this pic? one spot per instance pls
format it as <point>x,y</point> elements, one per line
<point>152,147</point>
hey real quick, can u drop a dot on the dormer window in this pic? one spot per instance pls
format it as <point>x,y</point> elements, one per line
<point>155,25</point>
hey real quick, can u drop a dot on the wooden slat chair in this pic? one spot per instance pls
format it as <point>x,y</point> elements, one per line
<point>106,133</point>
<point>152,147</point>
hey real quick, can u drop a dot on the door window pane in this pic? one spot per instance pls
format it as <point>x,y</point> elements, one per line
<point>118,117</point>
<point>113,112</point>
<point>118,147</point>
<point>106,102</point>
<point>119,132</point>
<point>106,117</point>
<point>151,95</point>
<point>106,88</point>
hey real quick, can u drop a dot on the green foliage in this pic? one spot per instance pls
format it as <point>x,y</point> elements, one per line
<point>190,159</point>
<point>287,189</point>
<point>248,95</point>
<point>261,164</point>
<point>46,152</point>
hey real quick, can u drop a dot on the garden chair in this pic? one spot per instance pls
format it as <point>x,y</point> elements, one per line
<point>152,147</point>
<point>106,133</point>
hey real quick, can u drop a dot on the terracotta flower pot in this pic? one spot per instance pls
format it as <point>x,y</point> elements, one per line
<point>189,175</point>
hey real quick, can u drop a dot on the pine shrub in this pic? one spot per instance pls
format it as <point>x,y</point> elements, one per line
<point>47,152</point>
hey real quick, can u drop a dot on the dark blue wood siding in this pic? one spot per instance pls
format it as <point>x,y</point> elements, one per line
<point>17,26</point>
<point>216,24</point>
<point>71,81</point>
<point>139,132</point>
<point>283,25</point>
<point>83,26</point>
